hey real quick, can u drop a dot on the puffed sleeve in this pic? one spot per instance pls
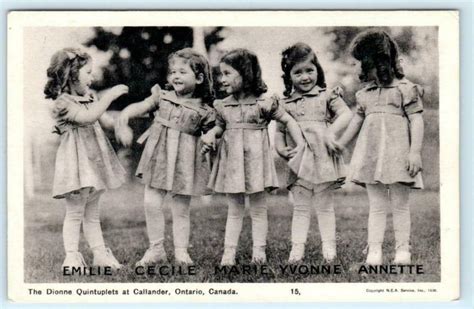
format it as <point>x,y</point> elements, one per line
<point>209,120</point>
<point>412,99</point>
<point>219,110</point>
<point>360,108</point>
<point>336,104</point>
<point>65,109</point>
<point>271,109</point>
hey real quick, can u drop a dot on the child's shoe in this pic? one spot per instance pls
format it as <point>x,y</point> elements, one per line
<point>329,251</point>
<point>228,258</point>
<point>258,255</point>
<point>104,257</point>
<point>153,255</point>
<point>74,259</point>
<point>374,257</point>
<point>296,254</point>
<point>181,256</point>
<point>403,255</point>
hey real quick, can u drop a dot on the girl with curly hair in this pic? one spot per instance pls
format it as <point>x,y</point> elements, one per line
<point>387,155</point>
<point>244,166</point>
<point>86,164</point>
<point>317,171</point>
<point>171,162</point>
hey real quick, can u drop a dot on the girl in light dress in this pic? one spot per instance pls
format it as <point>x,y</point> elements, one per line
<point>318,170</point>
<point>244,166</point>
<point>171,162</point>
<point>86,164</point>
<point>387,155</point>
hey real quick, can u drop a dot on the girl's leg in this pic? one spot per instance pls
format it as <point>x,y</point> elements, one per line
<point>181,226</point>
<point>401,222</point>
<point>92,231</point>
<point>155,225</point>
<point>324,203</point>
<point>235,217</point>
<point>300,222</point>
<point>75,207</point>
<point>258,213</point>
<point>378,204</point>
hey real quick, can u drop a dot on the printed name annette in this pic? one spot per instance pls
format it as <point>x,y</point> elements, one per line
<point>191,270</point>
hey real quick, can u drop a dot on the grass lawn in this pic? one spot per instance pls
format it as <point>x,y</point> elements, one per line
<point>123,224</point>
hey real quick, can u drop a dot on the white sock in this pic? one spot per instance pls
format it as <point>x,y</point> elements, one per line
<point>259,216</point>
<point>235,217</point>
<point>181,222</point>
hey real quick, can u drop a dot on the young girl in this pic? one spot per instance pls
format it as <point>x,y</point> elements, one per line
<point>244,164</point>
<point>172,161</point>
<point>86,163</point>
<point>321,114</point>
<point>386,159</point>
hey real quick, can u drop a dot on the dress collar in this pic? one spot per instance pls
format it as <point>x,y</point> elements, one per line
<point>230,100</point>
<point>395,83</point>
<point>84,99</point>
<point>312,93</point>
<point>171,96</point>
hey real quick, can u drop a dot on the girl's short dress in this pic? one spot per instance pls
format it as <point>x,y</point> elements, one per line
<point>314,111</point>
<point>244,162</point>
<point>383,144</point>
<point>85,157</point>
<point>172,159</point>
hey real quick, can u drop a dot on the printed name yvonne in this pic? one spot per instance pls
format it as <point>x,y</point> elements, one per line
<point>284,269</point>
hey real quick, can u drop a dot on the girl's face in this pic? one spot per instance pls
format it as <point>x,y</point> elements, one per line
<point>182,77</point>
<point>85,78</point>
<point>304,76</point>
<point>231,79</point>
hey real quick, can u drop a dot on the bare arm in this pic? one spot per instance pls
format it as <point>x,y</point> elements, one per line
<point>280,144</point>
<point>107,121</point>
<point>351,131</point>
<point>342,121</point>
<point>416,133</point>
<point>293,129</point>
<point>295,133</point>
<point>96,110</point>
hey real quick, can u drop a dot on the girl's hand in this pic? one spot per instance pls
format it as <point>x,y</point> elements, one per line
<point>118,91</point>
<point>155,91</point>
<point>330,142</point>
<point>209,142</point>
<point>295,151</point>
<point>124,135</point>
<point>413,164</point>
<point>339,148</point>
<point>284,152</point>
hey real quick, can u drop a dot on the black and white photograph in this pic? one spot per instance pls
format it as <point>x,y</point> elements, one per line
<point>227,151</point>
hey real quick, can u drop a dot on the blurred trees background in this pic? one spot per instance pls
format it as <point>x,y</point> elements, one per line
<point>139,56</point>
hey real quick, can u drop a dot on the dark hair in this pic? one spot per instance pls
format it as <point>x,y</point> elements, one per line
<point>64,66</point>
<point>199,65</point>
<point>294,54</point>
<point>246,63</point>
<point>372,44</point>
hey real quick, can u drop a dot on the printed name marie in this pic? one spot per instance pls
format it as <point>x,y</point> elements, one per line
<point>284,269</point>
